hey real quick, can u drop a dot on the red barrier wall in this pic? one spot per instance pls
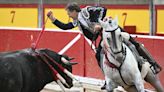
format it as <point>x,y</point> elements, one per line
<point>19,39</point>
<point>74,45</point>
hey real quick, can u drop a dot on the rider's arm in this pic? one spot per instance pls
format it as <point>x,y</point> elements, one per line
<point>62,25</point>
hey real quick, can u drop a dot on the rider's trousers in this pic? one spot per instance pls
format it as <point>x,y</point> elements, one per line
<point>146,55</point>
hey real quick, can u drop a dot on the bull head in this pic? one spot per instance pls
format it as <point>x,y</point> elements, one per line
<point>61,64</point>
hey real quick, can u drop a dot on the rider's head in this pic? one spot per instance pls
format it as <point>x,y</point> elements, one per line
<point>72,10</point>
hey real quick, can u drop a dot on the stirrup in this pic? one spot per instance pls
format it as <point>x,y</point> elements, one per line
<point>155,68</point>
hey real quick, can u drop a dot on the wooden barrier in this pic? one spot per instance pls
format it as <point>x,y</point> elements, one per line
<point>73,44</point>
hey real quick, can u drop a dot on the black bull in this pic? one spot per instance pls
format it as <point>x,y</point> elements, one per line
<point>26,71</point>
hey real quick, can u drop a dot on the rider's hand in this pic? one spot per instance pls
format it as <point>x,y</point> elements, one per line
<point>50,16</point>
<point>97,28</point>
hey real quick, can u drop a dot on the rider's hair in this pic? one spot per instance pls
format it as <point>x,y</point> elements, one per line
<point>73,6</point>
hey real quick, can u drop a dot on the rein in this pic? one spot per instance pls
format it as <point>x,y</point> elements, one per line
<point>113,30</point>
<point>110,63</point>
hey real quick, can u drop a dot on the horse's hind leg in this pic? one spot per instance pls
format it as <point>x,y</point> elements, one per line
<point>154,81</point>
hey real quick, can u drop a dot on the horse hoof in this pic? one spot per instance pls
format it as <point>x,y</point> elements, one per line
<point>103,87</point>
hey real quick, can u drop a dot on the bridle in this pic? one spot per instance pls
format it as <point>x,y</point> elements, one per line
<point>112,30</point>
<point>112,53</point>
<point>123,50</point>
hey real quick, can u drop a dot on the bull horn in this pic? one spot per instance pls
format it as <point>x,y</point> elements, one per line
<point>65,61</point>
<point>71,58</point>
<point>73,63</point>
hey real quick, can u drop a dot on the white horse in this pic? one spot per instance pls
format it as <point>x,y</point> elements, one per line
<point>119,64</point>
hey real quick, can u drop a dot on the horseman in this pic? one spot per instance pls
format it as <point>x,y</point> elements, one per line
<point>87,21</point>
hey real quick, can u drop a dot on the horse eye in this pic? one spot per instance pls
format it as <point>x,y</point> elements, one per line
<point>120,37</point>
<point>110,21</point>
<point>108,39</point>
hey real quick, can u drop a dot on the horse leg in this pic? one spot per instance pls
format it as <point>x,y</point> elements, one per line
<point>154,81</point>
<point>110,85</point>
<point>138,82</point>
<point>132,89</point>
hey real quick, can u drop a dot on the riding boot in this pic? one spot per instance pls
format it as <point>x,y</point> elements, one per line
<point>154,65</point>
<point>139,58</point>
<point>156,68</point>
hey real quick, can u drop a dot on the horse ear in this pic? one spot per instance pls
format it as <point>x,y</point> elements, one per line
<point>102,23</point>
<point>116,20</point>
<point>125,36</point>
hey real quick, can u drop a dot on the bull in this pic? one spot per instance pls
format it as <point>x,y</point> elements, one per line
<point>30,70</point>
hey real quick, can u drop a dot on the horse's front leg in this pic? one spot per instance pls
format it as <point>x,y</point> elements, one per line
<point>139,82</point>
<point>110,85</point>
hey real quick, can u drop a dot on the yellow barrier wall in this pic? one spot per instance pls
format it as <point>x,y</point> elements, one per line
<point>160,20</point>
<point>139,18</point>
<point>28,17</point>
<point>19,17</point>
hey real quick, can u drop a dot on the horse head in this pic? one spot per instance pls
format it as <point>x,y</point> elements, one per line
<point>113,37</point>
